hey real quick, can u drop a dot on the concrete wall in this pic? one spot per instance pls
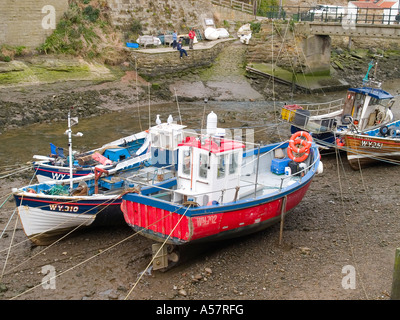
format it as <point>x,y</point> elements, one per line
<point>317,51</point>
<point>28,22</point>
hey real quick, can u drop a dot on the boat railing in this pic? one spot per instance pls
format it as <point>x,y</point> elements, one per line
<point>258,187</point>
<point>148,175</point>
<point>315,117</point>
<point>323,108</point>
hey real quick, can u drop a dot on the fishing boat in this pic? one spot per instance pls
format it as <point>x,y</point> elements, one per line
<point>54,208</point>
<point>58,166</point>
<point>373,146</point>
<point>223,189</point>
<point>366,107</point>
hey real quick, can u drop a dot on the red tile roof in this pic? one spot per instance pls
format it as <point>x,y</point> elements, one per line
<point>381,4</point>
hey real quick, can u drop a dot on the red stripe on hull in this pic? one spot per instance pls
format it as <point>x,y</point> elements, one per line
<point>158,223</point>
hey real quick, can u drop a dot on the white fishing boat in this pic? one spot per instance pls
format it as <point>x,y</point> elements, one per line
<point>58,166</point>
<point>51,209</point>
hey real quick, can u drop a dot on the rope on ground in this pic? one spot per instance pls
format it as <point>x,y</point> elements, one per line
<point>7,174</point>
<point>92,257</point>
<point>345,221</point>
<point>156,254</point>
<point>9,249</point>
<point>9,220</point>
<point>58,240</point>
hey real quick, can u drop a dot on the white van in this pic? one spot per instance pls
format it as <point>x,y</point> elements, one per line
<point>325,11</point>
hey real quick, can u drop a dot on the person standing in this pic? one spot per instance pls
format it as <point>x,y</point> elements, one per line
<point>174,39</point>
<point>180,49</point>
<point>192,34</point>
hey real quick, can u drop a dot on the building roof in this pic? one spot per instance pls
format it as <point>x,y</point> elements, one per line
<point>374,4</point>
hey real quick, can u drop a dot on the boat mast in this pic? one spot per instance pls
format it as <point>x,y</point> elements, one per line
<point>70,149</point>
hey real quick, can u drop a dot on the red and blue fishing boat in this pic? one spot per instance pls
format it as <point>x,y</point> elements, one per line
<point>224,189</point>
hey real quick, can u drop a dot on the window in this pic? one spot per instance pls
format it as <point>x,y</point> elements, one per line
<point>221,167</point>
<point>233,163</point>
<point>186,163</point>
<point>203,165</point>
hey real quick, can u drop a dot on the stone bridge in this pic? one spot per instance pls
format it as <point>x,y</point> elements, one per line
<point>350,29</point>
<point>316,44</point>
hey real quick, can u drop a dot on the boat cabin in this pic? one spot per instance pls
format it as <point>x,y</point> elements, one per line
<point>368,107</point>
<point>208,165</point>
<point>164,139</point>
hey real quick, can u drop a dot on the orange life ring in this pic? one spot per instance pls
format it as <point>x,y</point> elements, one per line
<point>297,142</point>
<point>294,140</point>
<point>297,159</point>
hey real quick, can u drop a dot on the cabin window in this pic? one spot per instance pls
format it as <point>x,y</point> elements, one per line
<point>165,141</point>
<point>154,140</point>
<point>221,167</point>
<point>233,163</point>
<point>203,165</point>
<point>186,163</point>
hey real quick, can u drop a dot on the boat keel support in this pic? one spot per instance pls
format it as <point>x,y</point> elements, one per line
<point>164,256</point>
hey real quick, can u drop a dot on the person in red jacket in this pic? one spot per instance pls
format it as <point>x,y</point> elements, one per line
<point>192,34</point>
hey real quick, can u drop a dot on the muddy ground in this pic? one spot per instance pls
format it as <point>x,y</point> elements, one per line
<point>347,222</point>
<point>347,225</point>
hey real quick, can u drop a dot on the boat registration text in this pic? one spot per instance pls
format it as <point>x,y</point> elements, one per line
<point>63,208</point>
<point>371,144</point>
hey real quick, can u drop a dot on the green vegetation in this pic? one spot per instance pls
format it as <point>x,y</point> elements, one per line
<point>269,9</point>
<point>133,31</point>
<point>84,30</point>
<point>53,70</point>
<point>310,81</point>
<point>7,53</point>
<point>255,27</point>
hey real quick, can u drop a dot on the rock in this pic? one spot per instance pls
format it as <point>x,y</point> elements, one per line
<point>305,250</point>
<point>208,270</point>
<point>182,292</point>
<point>3,287</point>
<point>198,277</point>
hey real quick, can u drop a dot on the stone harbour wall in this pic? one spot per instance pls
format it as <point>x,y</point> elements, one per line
<point>160,63</point>
<point>161,15</point>
<point>28,23</point>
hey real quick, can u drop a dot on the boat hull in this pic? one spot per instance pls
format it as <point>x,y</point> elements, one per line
<point>46,172</point>
<point>44,220</point>
<point>161,221</point>
<point>363,150</point>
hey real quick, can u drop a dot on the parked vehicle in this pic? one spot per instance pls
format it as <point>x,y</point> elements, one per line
<point>323,11</point>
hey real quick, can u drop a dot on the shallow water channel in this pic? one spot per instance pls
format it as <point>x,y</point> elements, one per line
<point>258,120</point>
<point>17,146</point>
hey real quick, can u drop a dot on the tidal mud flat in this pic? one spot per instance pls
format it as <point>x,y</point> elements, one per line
<point>346,224</point>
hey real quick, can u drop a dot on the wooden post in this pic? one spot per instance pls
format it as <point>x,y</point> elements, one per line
<point>283,209</point>
<point>396,277</point>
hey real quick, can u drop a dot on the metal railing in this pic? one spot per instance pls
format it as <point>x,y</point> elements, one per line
<point>236,5</point>
<point>310,13</point>
<point>339,14</point>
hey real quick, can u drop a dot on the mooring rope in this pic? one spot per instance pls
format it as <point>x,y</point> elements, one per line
<point>94,256</point>
<point>351,246</point>
<point>9,249</point>
<point>158,251</point>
